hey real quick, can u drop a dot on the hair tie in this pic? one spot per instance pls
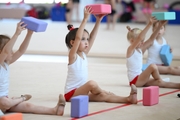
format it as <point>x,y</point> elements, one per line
<point>71,28</point>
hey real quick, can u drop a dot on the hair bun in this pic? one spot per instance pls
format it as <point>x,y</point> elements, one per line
<point>129,29</point>
<point>70,27</point>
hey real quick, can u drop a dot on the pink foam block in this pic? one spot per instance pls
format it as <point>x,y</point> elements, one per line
<point>150,95</point>
<point>100,8</point>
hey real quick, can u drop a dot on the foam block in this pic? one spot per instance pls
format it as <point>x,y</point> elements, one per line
<point>100,8</point>
<point>79,106</point>
<point>34,24</point>
<point>164,15</point>
<point>166,55</point>
<point>13,116</point>
<point>144,66</point>
<point>150,95</point>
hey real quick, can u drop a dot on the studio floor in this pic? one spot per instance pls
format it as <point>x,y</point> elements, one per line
<point>42,72</point>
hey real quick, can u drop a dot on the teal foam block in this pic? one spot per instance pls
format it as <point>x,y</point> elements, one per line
<point>164,15</point>
<point>166,55</point>
<point>144,66</point>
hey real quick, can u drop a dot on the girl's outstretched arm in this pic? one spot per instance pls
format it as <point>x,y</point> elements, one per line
<point>79,34</point>
<point>7,50</point>
<point>22,48</point>
<point>94,31</point>
<point>150,41</point>
<point>140,37</point>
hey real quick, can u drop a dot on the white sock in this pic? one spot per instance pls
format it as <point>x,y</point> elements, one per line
<point>166,79</point>
<point>1,113</point>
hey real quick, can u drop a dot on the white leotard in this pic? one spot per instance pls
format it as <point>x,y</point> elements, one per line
<point>77,74</point>
<point>154,53</point>
<point>134,64</point>
<point>4,80</point>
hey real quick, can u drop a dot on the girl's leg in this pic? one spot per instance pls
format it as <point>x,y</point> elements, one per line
<point>26,107</point>
<point>97,94</point>
<point>108,22</point>
<point>7,103</point>
<point>143,79</point>
<point>76,8</point>
<point>112,98</point>
<point>169,70</point>
<point>114,21</point>
<point>145,75</point>
<point>163,84</point>
<point>90,86</point>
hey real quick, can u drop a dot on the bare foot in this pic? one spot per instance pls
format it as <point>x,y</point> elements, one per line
<point>60,106</point>
<point>133,95</point>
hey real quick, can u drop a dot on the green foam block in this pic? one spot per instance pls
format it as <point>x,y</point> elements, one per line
<point>164,15</point>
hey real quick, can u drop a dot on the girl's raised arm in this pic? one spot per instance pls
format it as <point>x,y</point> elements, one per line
<point>93,34</point>
<point>7,50</point>
<point>150,41</point>
<point>79,34</point>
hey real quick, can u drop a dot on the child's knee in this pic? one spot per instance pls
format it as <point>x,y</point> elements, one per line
<point>153,66</point>
<point>5,104</point>
<point>92,84</point>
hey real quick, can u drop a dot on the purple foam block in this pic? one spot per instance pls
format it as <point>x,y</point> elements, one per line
<point>34,24</point>
<point>79,106</point>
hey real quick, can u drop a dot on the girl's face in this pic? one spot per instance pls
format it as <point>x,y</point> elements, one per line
<point>161,32</point>
<point>84,42</point>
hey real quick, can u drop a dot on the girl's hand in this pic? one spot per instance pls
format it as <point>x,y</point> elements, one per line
<point>87,12</point>
<point>99,17</point>
<point>163,22</point>
<point>20,27</point>
<point>30,31</point>
<point>152,20</point>
<point>171,49</point>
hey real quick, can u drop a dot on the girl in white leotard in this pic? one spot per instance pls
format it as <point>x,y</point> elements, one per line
<point>134,57</point>
<point>79,43</point>
<point>154,47</point>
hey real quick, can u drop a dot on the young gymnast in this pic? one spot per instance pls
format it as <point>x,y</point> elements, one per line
<point>7,57</point>
<point>75,8</point>
<point>148,7</point>
<point>112,18</point>
<point>68,12</point>
<point>135,56</point>
<point>79,43</point>
<point>154,46</point>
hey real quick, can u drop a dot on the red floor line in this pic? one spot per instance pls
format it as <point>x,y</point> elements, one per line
<point>124,105</point>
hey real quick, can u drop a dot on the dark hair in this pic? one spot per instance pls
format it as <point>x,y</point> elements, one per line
<point>71,35</point>
<point>3,41</point>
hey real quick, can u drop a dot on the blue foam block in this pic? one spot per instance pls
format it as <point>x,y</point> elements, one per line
<point>164,15</point>
<point>144,66</point>
<point>166,55</point>
<point>79,106</point>
<point>34,24</point>
<point>177,20</point>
